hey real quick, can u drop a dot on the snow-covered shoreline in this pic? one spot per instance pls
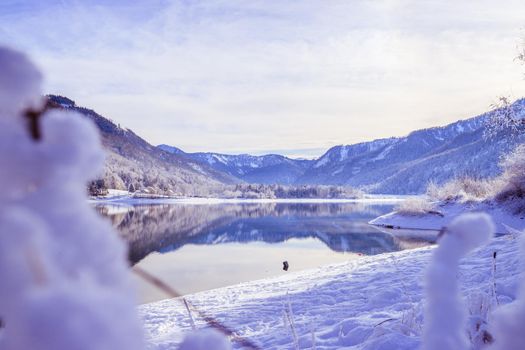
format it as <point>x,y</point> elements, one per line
<point>127,199</point>
<point>445,212</point>
<point>367,303</point>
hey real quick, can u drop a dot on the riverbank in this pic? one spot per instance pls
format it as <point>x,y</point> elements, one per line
<point>443,213</point>
<point>370,303</point>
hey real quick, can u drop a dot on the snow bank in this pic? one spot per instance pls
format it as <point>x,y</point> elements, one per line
<point>446,212</point>
<point>206,339</point>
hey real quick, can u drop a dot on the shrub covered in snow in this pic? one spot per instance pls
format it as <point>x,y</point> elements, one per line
<point>513,179</point>
<point>65,281</point>
<point>445,313</point>
<point>507,189</point>
<point>415,206</point>
<point>463,189</point>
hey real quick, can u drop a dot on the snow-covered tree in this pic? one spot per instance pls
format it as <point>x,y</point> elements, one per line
<point>506,119</point>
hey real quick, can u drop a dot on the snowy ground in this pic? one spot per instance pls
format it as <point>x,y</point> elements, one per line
<point>502,217</point>
<point>368,303</point>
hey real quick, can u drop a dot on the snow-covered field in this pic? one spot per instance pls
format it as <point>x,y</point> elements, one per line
<point>369,303</point>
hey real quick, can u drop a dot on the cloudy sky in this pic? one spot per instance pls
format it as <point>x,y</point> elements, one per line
<point>293,77</point>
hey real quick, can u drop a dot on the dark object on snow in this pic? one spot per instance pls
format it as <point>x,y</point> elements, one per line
<point>435,212</point>
<point>285,265</point>
<point>487,338</point>
<point>392,227</point>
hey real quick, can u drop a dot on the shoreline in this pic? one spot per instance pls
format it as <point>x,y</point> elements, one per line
<point>367,303</point>
<point>370,303</point>
<point>504,220</point>
<point>214,200</point>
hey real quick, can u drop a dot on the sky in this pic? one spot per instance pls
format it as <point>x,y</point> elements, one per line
<point>275,76</point>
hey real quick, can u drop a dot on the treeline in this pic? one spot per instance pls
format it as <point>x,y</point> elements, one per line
<point>244,191</point>
<point>150,177</point>
<point>256,191</point>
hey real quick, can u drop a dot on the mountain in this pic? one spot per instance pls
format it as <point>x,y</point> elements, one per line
<point>267,169</point>
<point>134,164</point>
<point>406,165</point>
<point>397,165</point>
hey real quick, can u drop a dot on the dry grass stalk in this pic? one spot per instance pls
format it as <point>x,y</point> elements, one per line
<point>148,277</point>
<point>289,316</point>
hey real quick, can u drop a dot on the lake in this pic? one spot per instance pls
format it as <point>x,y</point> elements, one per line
<point>196,247</point>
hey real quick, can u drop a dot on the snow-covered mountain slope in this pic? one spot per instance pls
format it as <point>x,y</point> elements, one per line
<point>267,169</point>
<point>399,165</point>
<point>406,165</point>
<point>134,164</point>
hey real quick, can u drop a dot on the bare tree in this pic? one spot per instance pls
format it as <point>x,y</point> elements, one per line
<point>506,117</point>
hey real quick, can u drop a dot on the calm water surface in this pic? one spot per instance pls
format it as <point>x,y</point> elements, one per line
<point>195,247</point>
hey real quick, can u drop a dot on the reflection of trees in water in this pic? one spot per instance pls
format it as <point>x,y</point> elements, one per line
<point>342,226</point>
<point>149,228</point>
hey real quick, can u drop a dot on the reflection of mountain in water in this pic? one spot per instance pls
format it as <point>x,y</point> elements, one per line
<point>341,226</point>
<point>337,233</point>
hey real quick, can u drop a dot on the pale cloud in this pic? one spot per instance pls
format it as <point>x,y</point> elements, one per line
<point>255,76</point>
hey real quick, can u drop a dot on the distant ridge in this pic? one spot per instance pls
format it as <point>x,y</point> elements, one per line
<point>397,165</point>
<point>405,165</point>
<point>267,169</point>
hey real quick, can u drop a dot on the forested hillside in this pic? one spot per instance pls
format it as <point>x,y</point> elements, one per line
<point>133,164</point>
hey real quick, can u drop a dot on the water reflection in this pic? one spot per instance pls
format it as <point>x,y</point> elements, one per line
<point>229,243</point>
<point>342,227</point>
